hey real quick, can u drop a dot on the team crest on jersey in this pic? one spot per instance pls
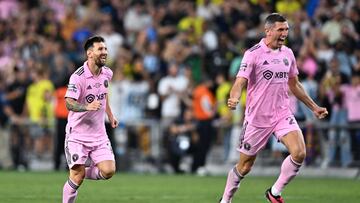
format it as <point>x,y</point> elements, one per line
<point>286,62</point>
<point>90,98</point>
<point>106,83</point>
<point>75,157</point>
<point>247,146</point>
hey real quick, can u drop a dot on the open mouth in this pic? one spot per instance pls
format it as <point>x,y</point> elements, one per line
<point>103,58</point>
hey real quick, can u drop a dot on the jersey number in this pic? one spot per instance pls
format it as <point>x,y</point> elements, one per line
<point>291,120</point>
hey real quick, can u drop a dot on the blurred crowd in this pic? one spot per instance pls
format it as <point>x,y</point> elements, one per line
<point>174,62</point>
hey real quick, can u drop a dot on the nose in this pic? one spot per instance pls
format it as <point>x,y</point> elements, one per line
<point>285,33</point>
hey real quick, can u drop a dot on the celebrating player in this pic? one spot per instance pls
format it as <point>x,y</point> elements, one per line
<point>86,138</point>
<point>269,69</point>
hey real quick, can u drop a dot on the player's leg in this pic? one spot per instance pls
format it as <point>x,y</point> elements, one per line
<point>107,168</point>
<point>76,156</point>
<point>104,163</point>
<point>76,177</point>
<point>252,140</point>
<point>235,175</point>
<point>295,144</point>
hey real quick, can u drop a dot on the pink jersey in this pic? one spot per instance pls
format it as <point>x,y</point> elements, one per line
<point>88,126</point>
<point>352,101</point>
<point>267,72</point>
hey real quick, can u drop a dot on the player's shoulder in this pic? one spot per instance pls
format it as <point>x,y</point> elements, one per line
<point>253,51</point>
<point>79,72</point>
<point>254,48</point>
<point>287,50</point>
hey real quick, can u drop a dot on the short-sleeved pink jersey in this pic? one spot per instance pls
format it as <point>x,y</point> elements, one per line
<point>88,126</point>
<point>267,72</point>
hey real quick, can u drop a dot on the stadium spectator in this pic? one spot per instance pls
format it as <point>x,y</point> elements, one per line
<point>204,112</point>
<point>170,89</point>
<point>61,114</point>
<point>269,68</point>
<point>181,138</point>
<point>39,106</point>
<point>113,38</point>
<point>224,122</point>
<point>5,114</point>
<point>352,102</point>
<point>16,94</point>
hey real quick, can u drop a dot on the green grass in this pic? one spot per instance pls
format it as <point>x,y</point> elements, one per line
<point>36,187</point>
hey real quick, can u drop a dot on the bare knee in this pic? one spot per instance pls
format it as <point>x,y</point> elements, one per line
<point>77,176</point>
<point>298,155</point>
<point>244,169</point>
<point>245,163</point>
<point>108,172</point>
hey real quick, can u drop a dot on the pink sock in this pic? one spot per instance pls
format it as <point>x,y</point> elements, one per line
<point>93,173</point>
<point>69,191</point>
<point>232,184</point>
<point>289,169</point>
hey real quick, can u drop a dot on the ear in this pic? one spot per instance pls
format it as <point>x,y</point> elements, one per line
<point>267,32</point>
<point>88,53</point>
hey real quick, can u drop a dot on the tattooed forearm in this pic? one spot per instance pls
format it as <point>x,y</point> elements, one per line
<point>73,105</point>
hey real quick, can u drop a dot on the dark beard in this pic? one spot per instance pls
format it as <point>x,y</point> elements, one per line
<point>99,63</point>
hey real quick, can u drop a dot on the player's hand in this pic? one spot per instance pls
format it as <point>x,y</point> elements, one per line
<point>114,122</point>
<point>232,103</point>
<point>94,106</point>
<point>320,112</point>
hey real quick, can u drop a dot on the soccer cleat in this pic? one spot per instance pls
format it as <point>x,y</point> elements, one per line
<point>273,199</point>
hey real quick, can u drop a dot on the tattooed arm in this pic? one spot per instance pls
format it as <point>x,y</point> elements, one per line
<point>73,105</point>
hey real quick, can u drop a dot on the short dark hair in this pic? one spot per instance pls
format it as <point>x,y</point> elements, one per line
<point>90,41</point>
<point>274,17</point>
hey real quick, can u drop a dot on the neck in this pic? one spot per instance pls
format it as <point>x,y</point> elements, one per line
<point>268,44</point>
<point>94,69</point>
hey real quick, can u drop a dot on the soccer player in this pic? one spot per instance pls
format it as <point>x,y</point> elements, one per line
<point>87,102</point>
<point>269,69</point>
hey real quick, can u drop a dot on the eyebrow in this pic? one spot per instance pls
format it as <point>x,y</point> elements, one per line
<point>280,29</point>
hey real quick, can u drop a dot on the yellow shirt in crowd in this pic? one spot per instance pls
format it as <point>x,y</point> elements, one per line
<point>38,100</point>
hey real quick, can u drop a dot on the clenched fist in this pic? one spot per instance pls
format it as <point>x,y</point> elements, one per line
<point>232,103</point>
<point>94,106</point>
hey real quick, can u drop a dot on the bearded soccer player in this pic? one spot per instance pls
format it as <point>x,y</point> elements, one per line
<point>269,70</point>
<point>86,138</point>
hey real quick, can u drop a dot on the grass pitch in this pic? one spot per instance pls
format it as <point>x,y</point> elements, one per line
<point>46,187</point>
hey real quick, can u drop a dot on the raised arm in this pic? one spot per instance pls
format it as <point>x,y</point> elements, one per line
<point>298,90</point>
<point>235,92</point>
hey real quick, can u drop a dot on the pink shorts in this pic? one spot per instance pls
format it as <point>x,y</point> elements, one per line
<point>77,153</point>
<point>253,139</point>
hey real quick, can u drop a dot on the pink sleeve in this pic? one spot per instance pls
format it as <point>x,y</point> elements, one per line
<point>293,67</point>
<point>246,66</point>
<point>74,87</point>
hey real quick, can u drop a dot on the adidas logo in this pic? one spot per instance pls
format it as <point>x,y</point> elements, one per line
<point>266,63</point>
<point>89,87</point>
